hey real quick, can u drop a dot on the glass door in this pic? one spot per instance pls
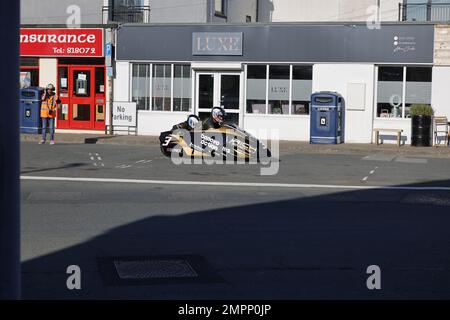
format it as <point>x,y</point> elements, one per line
<point>82,98</point>
<point>218,89</point>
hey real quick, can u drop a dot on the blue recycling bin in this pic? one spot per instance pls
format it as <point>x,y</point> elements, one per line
<point>327,118</point>
<point>30,108</point>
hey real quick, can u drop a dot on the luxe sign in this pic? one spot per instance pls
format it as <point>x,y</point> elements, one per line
<point>217,43</point>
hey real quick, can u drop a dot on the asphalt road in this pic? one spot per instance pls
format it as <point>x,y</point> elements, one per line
<point>310,231</point>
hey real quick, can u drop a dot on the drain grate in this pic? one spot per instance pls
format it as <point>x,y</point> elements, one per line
<point>154,269</point>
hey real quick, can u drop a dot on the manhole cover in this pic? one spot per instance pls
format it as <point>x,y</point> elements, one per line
<point>154,269</point>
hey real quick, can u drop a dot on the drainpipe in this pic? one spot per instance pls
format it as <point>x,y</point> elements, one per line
<point>10,154</point>
<point>257,11</point>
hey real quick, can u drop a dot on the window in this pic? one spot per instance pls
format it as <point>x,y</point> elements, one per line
<point>162,87</point>
<point>219,7</point>
<point>390,92</point>
<point>99,80</point>
<point>401,87</point>
<point>182,88</point>
<point>141,86</point>
<point>301,89</point>
<point>277,88</point>
<point>29,72</point>
<point>418,87</point>
<point>256,88</point>
<point>29,77</point>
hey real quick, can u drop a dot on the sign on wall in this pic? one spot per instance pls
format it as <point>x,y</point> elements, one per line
<point>124,114</point>
<point>393,43</point>
<point>217,43</point>
<point>61,42</point>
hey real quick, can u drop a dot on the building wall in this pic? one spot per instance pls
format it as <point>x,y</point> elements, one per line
<point>336,77</point>
<point>60,12</point>
<point>440,89</point>
<point>391,138</point>
<point>48,69</point>
<point>442,45</point>
<point>174,11</point>
<point>326,10</point>
<point>295,128</point>
<point>238,10</point>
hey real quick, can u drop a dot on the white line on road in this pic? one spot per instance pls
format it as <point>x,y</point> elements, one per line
<point>230,184</point>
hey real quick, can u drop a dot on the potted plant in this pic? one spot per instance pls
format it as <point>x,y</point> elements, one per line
<point>421,125</point>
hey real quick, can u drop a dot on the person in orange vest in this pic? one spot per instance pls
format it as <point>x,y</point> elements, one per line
<point>48,113</point>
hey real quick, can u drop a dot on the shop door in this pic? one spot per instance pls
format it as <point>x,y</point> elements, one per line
<point>82,94</point>
<point>219,89</point>
<point>81,98</point>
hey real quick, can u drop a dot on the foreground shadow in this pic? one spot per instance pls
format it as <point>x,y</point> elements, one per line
<point>308,247</point>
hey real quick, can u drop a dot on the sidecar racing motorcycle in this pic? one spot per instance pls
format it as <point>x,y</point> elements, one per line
<point>226,142</point>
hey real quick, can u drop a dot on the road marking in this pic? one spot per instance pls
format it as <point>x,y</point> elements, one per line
<point>379,157</point>
<point>124,166</point>
<point>98,159</point>
<point>370,173</point>
<point>411,160</point>
<point>230,184</point>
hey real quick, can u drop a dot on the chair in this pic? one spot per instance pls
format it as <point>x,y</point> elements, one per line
<point>440,127</point>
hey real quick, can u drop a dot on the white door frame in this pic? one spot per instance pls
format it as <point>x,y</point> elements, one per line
<point>217,74</point>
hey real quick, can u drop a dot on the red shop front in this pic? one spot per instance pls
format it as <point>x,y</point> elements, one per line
<point>72,60</point>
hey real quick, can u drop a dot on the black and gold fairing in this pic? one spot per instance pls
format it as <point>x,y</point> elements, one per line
<point>226,142</point>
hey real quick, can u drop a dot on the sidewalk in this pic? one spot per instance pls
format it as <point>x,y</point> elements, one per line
<point>285,146</point>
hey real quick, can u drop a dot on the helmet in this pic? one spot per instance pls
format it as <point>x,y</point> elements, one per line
<point>218,115</point>
<point>51,87</point>
<point>192,121</point>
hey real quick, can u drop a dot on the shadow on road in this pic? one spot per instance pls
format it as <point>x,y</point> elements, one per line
<point>314,247</point>
<point>68,166</point>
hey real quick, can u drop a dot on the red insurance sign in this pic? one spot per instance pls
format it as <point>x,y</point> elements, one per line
<point>61,42</point>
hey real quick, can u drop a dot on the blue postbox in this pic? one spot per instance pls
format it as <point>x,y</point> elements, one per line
<point>327,118</point>
<point>30,107</point>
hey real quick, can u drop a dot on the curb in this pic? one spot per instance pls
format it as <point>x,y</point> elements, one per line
<point>285,146</point>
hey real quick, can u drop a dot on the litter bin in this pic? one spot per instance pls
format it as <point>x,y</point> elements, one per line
<point>30,107</point>
<point>327,118</point>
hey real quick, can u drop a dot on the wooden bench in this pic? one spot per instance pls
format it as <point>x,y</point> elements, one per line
<point>378,130</point>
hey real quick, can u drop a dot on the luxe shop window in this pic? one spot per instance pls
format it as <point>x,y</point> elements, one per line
<point>279,89</point>
<point>401,87</point>
<point>161,87</point>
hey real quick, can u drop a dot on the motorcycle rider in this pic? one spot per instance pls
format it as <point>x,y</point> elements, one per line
<point>189,124</point>
<point>216,119</point>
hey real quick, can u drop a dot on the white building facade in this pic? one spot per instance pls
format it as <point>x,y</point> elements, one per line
<point>264,74</point>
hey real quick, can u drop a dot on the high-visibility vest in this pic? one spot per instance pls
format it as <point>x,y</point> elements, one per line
<point>47,105</point>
